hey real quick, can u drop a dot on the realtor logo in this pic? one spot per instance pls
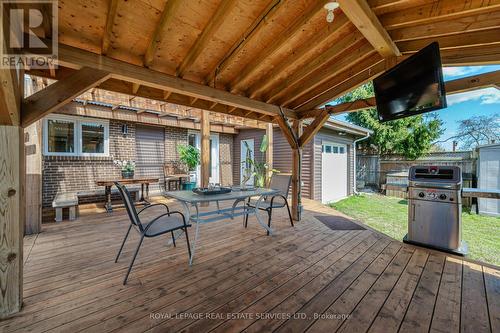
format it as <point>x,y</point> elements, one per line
<point>29,33</point>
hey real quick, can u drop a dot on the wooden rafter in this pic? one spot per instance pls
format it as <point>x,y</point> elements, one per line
<point>343,50</point>
<point>283,39</point>
<point>166,18</point>
<point>360,13</point>
<point>345,86</point>
<point>485,21</point>
<point>476,38</point>
<point>59,93</point>
<point>76,58</point>
<point>340,27</point>
<point>314,80</point>
<point>108,28</point>
<point>201,43</point>
<point>436,11</point>
<point>264,19</point>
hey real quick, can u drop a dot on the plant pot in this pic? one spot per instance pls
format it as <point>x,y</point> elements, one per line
<point>127,174</point>
<point>188,186</point>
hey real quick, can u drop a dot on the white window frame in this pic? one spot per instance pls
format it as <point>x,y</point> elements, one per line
<point>78,139</point>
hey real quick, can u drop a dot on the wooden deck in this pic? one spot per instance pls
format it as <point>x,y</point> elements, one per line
<point>306,278</point>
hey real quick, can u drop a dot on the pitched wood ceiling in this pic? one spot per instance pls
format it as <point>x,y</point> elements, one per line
<point>280,52</point>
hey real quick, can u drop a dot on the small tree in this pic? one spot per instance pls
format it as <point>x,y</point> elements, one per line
<point>410,137</point>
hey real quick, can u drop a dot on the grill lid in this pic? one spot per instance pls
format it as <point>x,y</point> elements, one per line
<point>436,174</point>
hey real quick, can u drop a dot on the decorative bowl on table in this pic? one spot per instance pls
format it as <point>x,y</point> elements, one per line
<point>211,190</point>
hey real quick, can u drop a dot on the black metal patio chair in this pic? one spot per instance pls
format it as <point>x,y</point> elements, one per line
<point>281,183</point>
<point>165,223</point>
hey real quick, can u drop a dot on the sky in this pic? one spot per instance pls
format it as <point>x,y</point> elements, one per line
<point>483,102</point>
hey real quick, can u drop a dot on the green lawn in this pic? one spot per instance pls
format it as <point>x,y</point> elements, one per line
<point>389,215</point>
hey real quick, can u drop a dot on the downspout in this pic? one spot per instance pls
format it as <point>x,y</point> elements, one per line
<point>355,162</point>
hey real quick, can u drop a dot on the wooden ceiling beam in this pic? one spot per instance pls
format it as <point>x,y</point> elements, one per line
<point>436,11</point>
<point>60,93</point>
<point>287,130</point>
<point>76,58</point>
<point>485,21</point>
<point>316,79</point>
<point>476,38</point>
<point>282,40</point>
<point>361,15</point>
<point>345,86</point>
<point>263,20</point>
<point>108,28</point>
<point>205,37</point>
<point>340,27</point>
<point>314,127</point>
<point>294,82</point>
<point>380,7</point>
<point>168,14</point>
<point>10,97</point>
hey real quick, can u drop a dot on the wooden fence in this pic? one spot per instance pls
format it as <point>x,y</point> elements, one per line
<point>372,170</point>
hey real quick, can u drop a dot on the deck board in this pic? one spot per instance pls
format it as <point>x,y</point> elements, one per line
<point>304,278</point>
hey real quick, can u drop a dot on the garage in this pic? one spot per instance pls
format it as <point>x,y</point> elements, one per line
<point>150,150</point>
<point>334,171</point>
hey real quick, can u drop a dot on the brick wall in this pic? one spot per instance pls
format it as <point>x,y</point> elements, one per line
<point>73,174</point>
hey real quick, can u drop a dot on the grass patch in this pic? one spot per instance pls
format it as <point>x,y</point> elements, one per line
<point>389,215</point>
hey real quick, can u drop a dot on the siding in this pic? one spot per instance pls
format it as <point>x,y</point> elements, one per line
<point>282,156</point>
<point>244,134</point>
<point>331,135</point>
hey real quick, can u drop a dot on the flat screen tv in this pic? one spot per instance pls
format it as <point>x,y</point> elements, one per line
<point>412,87</point>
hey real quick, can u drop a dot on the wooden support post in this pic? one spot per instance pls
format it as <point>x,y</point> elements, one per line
<point>205,148</point>
<point>11,219</point>
<point>33,155</point>
<point>296,175</point>
<point>270,151</point>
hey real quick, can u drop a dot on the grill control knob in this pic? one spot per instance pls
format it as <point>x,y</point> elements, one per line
<point>421,194</point>
<point>442,196</point>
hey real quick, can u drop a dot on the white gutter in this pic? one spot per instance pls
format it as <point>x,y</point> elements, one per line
<point>355,162</point>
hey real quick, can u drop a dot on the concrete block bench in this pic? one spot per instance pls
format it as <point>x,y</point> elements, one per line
<point>65,200</point>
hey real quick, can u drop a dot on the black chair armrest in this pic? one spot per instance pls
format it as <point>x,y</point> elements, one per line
<point>153,205</point>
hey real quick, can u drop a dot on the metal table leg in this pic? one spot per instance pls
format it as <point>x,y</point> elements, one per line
<point>108,205</point>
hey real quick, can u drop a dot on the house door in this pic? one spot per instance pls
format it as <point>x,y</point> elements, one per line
<point>150,149</point>
<point>333,172</point>
<point>194,140</point>
<point>247,150</point>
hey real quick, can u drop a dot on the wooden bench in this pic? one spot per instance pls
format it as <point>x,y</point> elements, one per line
<point>101,192</point>
<point>65,200</point>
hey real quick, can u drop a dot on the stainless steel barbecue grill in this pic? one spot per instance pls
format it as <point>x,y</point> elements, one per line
<point>435,208</point>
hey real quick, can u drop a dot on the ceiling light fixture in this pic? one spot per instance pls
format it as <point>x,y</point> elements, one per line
<point>330,7</point>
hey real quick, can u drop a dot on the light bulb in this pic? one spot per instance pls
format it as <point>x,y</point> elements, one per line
<point>330,16</point>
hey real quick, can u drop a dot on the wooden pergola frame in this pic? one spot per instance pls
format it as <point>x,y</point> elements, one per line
<point>276,65</point>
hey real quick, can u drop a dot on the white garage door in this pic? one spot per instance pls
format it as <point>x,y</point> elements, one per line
<point>334,172</point>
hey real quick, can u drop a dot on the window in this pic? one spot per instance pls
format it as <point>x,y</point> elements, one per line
<point>328,149</point>
<point>342,150</point>
<point>61,136</point>
<point>335,150</point>
<point>75,136</point>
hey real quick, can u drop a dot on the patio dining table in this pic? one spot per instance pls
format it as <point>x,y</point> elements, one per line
<point>189,199</point>
<point>109,183</point>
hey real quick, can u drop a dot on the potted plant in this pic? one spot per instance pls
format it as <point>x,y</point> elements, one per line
<point>190,156</point>
<point>128,168</point>
<point>259,170</point>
